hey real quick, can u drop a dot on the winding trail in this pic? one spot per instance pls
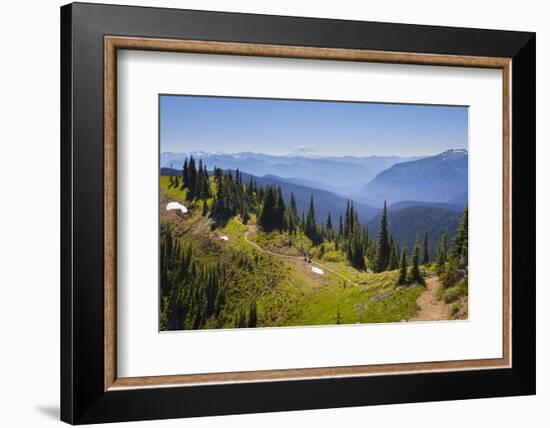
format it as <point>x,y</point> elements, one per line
<point>271,253</point>
<point>431,308</point>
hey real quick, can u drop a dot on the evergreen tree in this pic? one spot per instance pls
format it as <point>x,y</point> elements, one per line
<point>267,218</point>
<point>459,247</point>
<point>403,268</point>
<point>245,215</point>
<point>415,271</point>
<point>291,216</point>
<point>382,247</point>
<point>204,207</point>
<point>357,251</point>
<point>329,222</point>
<point>192,292</point>
<point>184,174</point>
<point>205,191</point>
<point>347,220</point>
<point>338,317</point>
<point>394,262</point>
<point>250,188</point>
<point>293,207</point>
<point>191,182</point>
<point>200,181</point>
<point>310,229</point>
<point>252,314</point>
<point>238,177</point>
<point>456,270</point>
<point>440,258</point>
<point>351,218</point>
<point>171,181</point>
<point>241,320</point>
<point>426,256</point>
<point>279,210</point>
<point>445,245</point>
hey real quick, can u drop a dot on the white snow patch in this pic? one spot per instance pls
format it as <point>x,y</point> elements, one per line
<point>176,206</point>
<point>224,238</point>
<point>317,270</point>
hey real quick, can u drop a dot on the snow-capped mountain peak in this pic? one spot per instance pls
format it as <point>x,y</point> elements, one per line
<point>303,151</point>
<point>452,154</point>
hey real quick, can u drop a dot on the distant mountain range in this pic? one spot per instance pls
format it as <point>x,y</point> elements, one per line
<point>423,194</point>
<point>440,178</point>
<point>345,176</point>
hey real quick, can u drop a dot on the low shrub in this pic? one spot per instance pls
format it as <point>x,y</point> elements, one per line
<point>454,293</point>
<point>455,309</point>
<point>333,256</point>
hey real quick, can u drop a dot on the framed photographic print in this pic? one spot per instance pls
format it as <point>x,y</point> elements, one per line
<point>265,213</point>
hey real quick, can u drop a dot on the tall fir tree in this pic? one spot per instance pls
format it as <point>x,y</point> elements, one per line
<point>382,246</point>
<point>459,247</point>
<point>184,174</point>
<point>310,228</point>
<point>279,210</point>
<point>426,250</point>
<point>267,218</point>
<point>394,262</point>
<point>445,245</point>
<point>252,314</point>
<point>171,180</point>
<point>440,257</point>
<point>415,270</point>
<point>402,279</point>
<point>347,221</point>
<point>191,179</point>
<point>329,222</point>
<point>291,215</point>
<point>358,250</point>
<point>205,191</point>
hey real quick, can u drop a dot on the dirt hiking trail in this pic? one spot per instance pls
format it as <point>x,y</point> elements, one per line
<point>431,308</point>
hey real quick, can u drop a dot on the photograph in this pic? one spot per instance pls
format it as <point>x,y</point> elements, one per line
<point>267,211</point>
<point>279,212</point>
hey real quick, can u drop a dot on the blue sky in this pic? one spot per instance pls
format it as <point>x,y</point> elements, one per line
<point>230,125</point>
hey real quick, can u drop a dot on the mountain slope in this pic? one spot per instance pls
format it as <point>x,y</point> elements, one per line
<point>344,175</point>
<point>406,224</point>
<point>325,201</point>
<point>439,178</point>
<point>406,204</point>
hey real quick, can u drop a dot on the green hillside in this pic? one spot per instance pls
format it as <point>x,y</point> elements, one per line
<point>243,256</point>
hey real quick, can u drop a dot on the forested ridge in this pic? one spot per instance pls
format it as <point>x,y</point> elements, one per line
<point>205,286</point>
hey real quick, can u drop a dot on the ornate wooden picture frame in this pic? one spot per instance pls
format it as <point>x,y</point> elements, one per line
<point>91,389</point>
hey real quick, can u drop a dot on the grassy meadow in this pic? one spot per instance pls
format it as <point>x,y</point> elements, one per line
<point>268,276</point>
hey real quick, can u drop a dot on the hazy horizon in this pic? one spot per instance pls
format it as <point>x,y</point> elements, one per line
<point>329,128</point>
<point>314,156</point>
